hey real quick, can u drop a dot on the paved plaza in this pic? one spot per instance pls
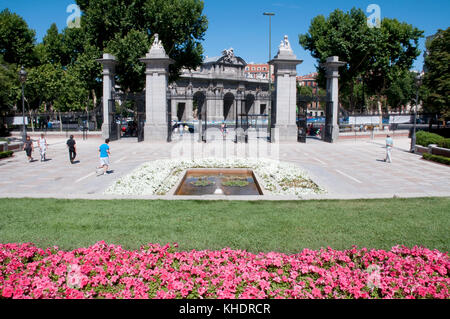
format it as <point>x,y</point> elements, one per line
<point>349,169</point>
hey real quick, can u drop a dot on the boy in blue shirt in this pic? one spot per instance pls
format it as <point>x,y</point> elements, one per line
<point>104,158</point>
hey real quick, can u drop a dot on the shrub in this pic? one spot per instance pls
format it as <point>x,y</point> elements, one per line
<point>437,158</point>
<point>425,138</point>
<point>445,143</point>
<point>6,154</point>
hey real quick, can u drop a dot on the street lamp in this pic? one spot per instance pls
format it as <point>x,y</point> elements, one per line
<point>23,78</point>
<point>270,15</point>
<point>413,135</point>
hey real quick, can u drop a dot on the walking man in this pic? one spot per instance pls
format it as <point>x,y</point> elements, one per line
<point>72,145</point>
<point>104,158</point>
<point>389,146</point>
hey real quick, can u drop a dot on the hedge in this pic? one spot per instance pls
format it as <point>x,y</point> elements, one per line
<point>445,143</point>
<point>437,158</point>
<point>6,154</point>
<point>425,138</point>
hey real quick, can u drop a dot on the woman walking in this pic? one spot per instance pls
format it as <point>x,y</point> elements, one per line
<point>42,142</point>
<point>28,148</point>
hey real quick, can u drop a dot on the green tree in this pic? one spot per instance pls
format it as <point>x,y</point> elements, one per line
<point>54,48</point>
<point>16,39</point>
<point>402,89</point>
<point>128,50</point>
<point>9,85</point>
<point>74,94</point>
<point>437,78</point>
<point>116,24</point>
<point>396,48</point>
<point>374,56</point>
<point>44,86</point>
<point>345,35</point>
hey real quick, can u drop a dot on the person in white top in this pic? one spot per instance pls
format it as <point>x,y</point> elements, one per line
<point>42,142</point>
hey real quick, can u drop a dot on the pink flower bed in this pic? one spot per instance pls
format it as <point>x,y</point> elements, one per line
<point>108,271</point>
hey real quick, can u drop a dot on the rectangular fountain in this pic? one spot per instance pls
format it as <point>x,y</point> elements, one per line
<point>228,182</point>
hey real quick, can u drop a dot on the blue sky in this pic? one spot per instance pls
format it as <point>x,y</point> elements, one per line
<point>241,25</point>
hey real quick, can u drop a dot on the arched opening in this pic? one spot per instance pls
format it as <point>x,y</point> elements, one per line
<point>228,109</point>
<point>199,107</point>
<point>249,104</point>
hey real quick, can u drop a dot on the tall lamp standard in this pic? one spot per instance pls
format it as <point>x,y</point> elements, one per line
<point>23,78</point>
<point>413,135</point>
<point>270,15</point>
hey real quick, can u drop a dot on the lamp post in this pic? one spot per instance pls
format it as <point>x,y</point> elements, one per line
<point>269,123</point>
<point>413,135</point>
<point>23,77</point>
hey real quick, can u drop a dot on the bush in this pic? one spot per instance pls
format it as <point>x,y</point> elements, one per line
<point>445,143</point>
<point>437,158</point>
<point>6,154</point>
<point>425,138</point>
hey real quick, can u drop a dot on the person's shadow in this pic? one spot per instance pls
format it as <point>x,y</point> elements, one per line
<point>110,172</point>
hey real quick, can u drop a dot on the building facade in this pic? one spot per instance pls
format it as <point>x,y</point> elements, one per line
<point>315,109</point>
<point>218,91</point>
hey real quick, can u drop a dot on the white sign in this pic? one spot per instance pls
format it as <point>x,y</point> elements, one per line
<point>18,120</point>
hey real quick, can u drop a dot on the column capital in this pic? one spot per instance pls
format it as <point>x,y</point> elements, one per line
<point>109,63</point>
<point>332,66</point>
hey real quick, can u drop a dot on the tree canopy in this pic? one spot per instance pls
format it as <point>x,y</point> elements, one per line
<point>125,28</point>
<point>437,77</point>
<point>16,39</point>
<point>62,70</point>
<point>374,56</point>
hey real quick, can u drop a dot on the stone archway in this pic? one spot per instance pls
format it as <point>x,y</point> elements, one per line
<point>199,101</point>
<point>249,107</point>
<point>228,107</point>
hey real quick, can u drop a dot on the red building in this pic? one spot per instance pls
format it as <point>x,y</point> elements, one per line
<point>257,71</point>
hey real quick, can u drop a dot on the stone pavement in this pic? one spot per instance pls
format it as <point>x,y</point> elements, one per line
<point>349,169</point>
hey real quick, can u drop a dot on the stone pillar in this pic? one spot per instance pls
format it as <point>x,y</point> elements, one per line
<point>174,107</point>
<point>332,66</point>
<point>109,63</point>
<point>285,70</point>
<point>157,72</point>
<point>190,109</point>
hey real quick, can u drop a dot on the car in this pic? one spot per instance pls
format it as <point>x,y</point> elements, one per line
<point>177,125</point>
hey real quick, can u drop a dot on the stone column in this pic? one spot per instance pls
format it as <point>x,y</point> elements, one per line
<point>285,70</point>
<point>332,66</point>
<point>109,63</point>
<point>189,109</point>
<point>174,107</point>
<point>157,72</point>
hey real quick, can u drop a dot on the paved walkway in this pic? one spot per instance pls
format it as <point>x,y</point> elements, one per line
<point>347,170</point>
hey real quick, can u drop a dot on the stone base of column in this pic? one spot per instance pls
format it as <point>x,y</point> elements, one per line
<point>331,134</point>
<point>285,133</point>
<point>105,131</point>
<point>216,119</point>
<point>155,133</point>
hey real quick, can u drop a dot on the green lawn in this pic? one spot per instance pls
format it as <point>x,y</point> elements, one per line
<point>259,226</point>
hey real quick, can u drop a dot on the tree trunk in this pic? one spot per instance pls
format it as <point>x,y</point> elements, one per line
<point>94,102</point>
<point>31,120</point>
<point>60,122</point>
<point>380,112</point>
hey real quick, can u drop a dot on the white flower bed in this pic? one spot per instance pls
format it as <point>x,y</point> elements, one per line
<point>159,177</point>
